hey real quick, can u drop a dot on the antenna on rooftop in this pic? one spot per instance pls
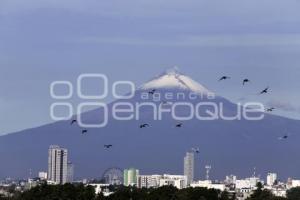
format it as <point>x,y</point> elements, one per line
<point>254,172</point>
<point>30,173</point>
<point>208,168</point>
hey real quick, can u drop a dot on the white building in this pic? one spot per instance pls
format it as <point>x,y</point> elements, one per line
<point>279,190</point>
<point>209,185</point>
<point>189,167</point>
<point>177,181</point>
<point>231,179</point>
<point>148,181</point>
<point>155,181</point>
<point>130,176</point>
<point>271,179</point>
<point>242,194</point>
<point>248,183</point>
<point>99,187</point>
<point>43,175</point>
<point>295,183</point>
<point>57,165</point>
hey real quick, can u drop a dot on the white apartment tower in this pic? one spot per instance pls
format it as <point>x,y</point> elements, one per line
<point>57,164</point>
<point>131,177</point>
<point>271,179</point>
<point>189,167</point>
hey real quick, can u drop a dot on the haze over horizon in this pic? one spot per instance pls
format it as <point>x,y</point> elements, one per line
<point>45,41</point>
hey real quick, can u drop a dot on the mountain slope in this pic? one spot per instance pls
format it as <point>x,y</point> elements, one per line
<point>231,147</point>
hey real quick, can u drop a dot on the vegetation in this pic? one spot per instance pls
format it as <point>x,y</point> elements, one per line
<point>81,192</point>
<point>294,194</point>
<point>261,194</point>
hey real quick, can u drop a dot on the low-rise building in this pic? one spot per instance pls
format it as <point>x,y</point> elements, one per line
<point>148,181</point>
<point>154,181</point>
<point>209,185</point>
<point>178,181</point>
<point>100,187</point>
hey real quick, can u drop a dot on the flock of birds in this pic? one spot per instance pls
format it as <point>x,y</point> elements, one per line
<point>84,131</point>
<point>179,125</point>
<point>264,91</point>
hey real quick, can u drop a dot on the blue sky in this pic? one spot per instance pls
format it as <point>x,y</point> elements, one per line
<point>46,40</point>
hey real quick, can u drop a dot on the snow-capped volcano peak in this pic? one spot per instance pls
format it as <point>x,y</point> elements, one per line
<point>172,78</point>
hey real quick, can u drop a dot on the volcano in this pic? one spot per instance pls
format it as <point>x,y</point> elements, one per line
<point>229,146</point>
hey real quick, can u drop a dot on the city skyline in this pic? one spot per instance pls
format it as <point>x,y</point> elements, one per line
<point>240,188</point>
<point>149,99</point>
<point>133,176</point>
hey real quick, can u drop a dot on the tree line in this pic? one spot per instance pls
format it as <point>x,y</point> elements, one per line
<point>81,192</point>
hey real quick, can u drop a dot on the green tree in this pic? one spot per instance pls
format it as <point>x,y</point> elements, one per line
<point>59,192</point>
<point>163,193</point>
<point>293,194</point>
<point>224,196</point>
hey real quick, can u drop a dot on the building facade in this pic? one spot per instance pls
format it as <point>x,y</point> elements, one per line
<point>70,172</point>
<point>148,181</point>
<point>271,179</point>
<point>177,181</point>
<point>130,176</point>
<point>155,181</point>
<point>188,166</point>
<point>209,185</point>
<point>57,165</point>
<point>43,175</point>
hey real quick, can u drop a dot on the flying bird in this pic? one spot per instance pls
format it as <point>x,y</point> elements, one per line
<point>224,78</point>
<point>73,121</point>
<point>270,109</point>
<point>265,91</point>
<point>196,150</point>
<point>152,91</point>
<point>144,125</point>
<point>84,131</point>
<point>107,146</point>
<point>179,125</point>
<point>246,81</point>
<point>283,137</point>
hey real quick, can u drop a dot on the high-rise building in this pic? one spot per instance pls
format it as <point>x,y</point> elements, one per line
<point>57,164</point>
<point>130,176</point>
<point>189,167</point>
<point>70,172</point>
<point>271,179</point>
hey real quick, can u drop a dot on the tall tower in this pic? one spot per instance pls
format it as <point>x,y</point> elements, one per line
<point>130,176</point>
<point>57,164</point>
<point>70,172</point>
<point>188,166</point>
